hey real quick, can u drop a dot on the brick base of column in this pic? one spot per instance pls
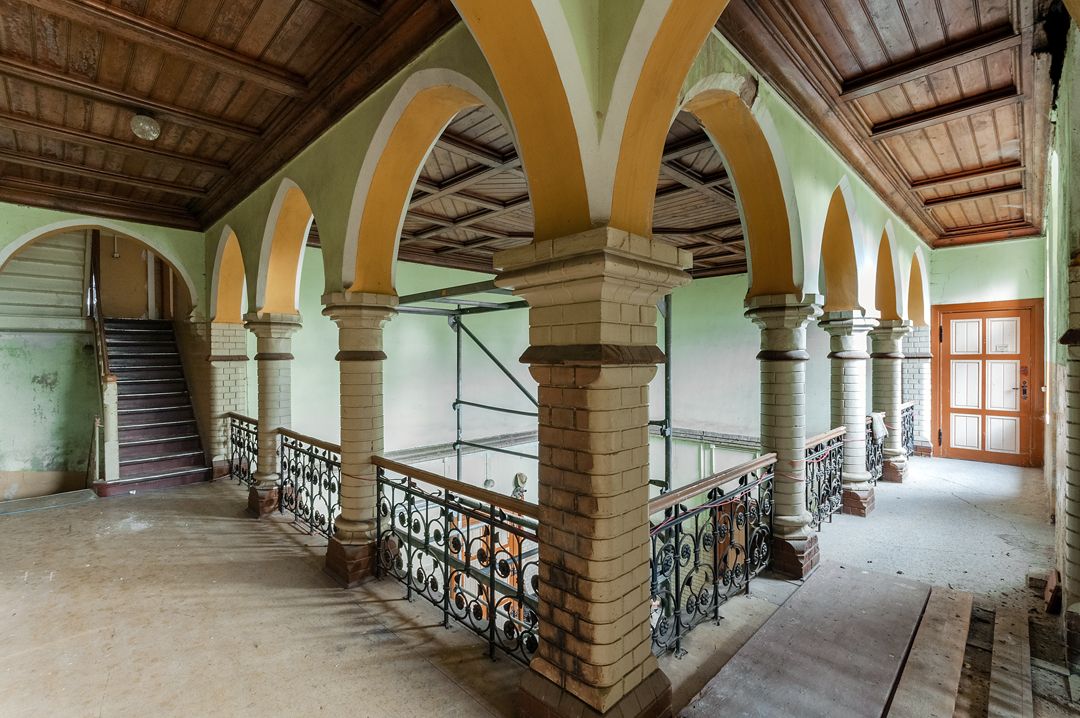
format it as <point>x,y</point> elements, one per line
<point>221,468</point>
<point>540,698</point>
<point>262,503</point>
<point>350,564</point>
<point>894,471</point>
<point>922,449</point>
<point>858,503</point>
<point>795,558</point>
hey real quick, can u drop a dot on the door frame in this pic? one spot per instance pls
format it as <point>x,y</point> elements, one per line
<point>938,400</point>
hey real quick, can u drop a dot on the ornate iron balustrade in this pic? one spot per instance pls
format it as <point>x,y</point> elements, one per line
<point>310,481</point>
<point>875,451</point>
<point>243,447</point>
<point>471,552</point>
<point>907,427</point>
<point>824,476</point>
<point>708,540</point>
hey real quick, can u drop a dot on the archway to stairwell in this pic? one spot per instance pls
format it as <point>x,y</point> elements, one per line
<point>52,388</point>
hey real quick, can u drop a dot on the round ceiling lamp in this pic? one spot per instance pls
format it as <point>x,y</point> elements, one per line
<point>145,127</point>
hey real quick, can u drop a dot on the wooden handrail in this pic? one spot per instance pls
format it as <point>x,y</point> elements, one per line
<point>318,443</point>
<point>241,417</point>
<point>459,488</point>
<point>906,404</point>
<point>666,501</point>
<point>822,438</point>
<point>95,307</point>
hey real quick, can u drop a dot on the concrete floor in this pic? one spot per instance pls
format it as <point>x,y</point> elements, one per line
<point>174,603</point>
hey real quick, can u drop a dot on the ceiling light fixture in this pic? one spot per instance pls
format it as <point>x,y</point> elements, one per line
<point>145,127</point>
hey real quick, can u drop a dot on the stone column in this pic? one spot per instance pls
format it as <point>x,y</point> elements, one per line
<point>1070,560</point>
<point>110,428</point>
<point>593,351</point>
<point>350,553</point>
<point>783,356</point>
<point>848,332</point>
<point>916,383</point>
<point>228,387</point>
<point>273,334</point>
<point>888,357</point>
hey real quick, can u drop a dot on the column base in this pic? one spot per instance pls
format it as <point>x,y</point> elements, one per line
<point>221,468</point>
<point>923,449</point>
<point>894,471</point>
<point>350,564</point>
<point>858,503</point>
<point>538,697</point>
<point>263,502</point>
<point>795,558</point>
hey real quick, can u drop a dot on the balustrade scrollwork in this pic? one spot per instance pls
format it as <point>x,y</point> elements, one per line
<point>243,448</point>
<point>824,476</point>
<point>310,482</point>
<point>875,452</point>
<point>907,427</point>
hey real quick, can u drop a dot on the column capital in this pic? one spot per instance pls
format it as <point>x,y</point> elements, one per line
<point>783,319</point>
<point>887,338</point>
<point>593,295</point>
<point>849,322</point>
<point>269,325</point>
<point>360,317</point>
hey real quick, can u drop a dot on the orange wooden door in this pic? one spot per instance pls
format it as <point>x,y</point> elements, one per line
<point>989,372</point>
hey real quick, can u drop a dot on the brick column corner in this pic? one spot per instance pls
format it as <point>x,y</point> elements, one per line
<point>228,367</point>
<point>916,385</point>
<point>848,332</point>
<point>783,357</point>
<point>888,358</point>
<point>351,551</point>
<point>273,334</point>
<point>1070,559</point>
<point>592,329</point>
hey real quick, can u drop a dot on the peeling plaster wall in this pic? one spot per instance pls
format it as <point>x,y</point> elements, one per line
<point>50,401</point>
<point>988,272</point>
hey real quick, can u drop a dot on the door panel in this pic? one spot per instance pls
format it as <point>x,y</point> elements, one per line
<point>988,382</point>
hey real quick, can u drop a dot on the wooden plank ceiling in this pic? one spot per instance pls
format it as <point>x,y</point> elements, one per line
<point>942,105</point>
<point>471,199</point>
<point>239,87</point>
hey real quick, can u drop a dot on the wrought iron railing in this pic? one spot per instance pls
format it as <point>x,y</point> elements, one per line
<point>824,476</point>
<point>708,540</point>
<point>907,427</point>
<point>310,481</point>
<point>471,552</point>
<point>875,451</point>
<point>243,447</point>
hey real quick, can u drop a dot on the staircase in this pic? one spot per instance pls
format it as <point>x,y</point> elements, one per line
<point>159,439</point>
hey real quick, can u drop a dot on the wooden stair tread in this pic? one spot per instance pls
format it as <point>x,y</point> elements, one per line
<point>833,650</point>
<point>1010,667</point>
<point>931,676</point>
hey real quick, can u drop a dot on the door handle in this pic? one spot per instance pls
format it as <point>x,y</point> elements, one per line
<point>1024,390</point>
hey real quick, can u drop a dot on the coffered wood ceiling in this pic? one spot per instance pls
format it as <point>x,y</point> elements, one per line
<point>942,105</point>
<point>239,87</point>
<point>471,200</point>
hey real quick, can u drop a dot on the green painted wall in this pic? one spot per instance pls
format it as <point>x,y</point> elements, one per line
<point>50,400</point>
<point>989,272</point>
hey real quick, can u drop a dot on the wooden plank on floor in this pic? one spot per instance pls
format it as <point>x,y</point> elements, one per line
<point>833,650</point>
<point>931,676</point>
<point>1010,667</point>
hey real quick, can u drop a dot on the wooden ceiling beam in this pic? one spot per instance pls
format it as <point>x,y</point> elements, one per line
<point>967,176</point>
<point>696,231</point>
<point>946,57</point>
<point>65,134</point>
<point>470,219</point>
<point>707,186</point>
<point>127,101</point>
<point>953,111</point>
<point>39,194</point>
<point>113,20</point>
<point>355,12</point>
<point>686,146</point>
<point>51,165</point>
<point>474,151</point>
<point>970,196</point>
<point>462,181</point>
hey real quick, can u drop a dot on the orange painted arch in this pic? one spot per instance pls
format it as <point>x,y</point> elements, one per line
<point>282,250</point>
<point>681,34</point>
<point>838,257</point>
<point>917,294</point>
<point>517,49</point>
<point>752,167</point>
<point>886,281</point>
<point>228,289</point>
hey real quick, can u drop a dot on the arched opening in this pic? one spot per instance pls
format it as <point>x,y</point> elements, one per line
<point>389,177</point>
<point>760,194</point>
<point>886,295</point>
<point>917,309</point>
<point>227,290</point>
<point>838,257</point>
<point>287,229</point>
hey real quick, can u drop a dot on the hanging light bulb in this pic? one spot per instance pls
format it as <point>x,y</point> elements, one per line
<point>145,127</point>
